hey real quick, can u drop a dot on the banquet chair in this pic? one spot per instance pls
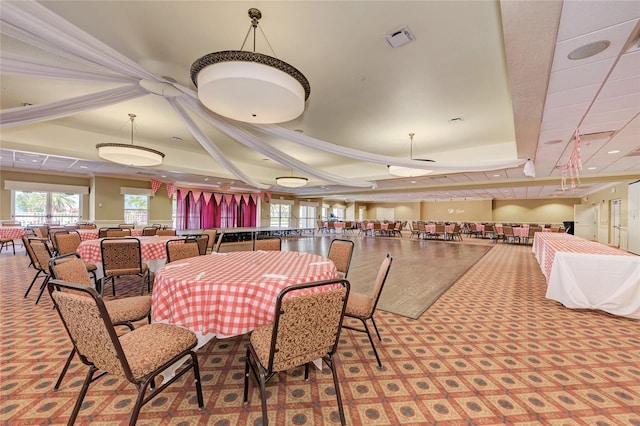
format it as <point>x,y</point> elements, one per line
<point>287,343</point>
<point>181,248</point>
<point>87,226</point>
<point>138,356</point>
<point>202,240</point>
<point>216,247</point>
<point>126,226</point>
<point>509,236</point>
<point>414,230</point>
<point>340,253</point>
<point>122,256</point>
<point>69,243</point>
<point>70,268</point>
<point>456,233</point>
<point>149,231</point>
<point>166,232</point>
<point>102,232</point>
<point>267,244</point>
<point>211,233</point>
<point>6,242</point>
<point>123,232</point>
<point>532,233</point>
<point>39,254</point>
<point>362,307</point>
<point>52,237</point>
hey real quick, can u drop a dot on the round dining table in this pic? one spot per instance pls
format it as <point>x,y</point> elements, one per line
<point>228,294</point>
<point>153,250</point>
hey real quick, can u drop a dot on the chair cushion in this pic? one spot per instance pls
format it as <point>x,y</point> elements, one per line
<point>359,305</point>
<point>149,347</point>
<point>128,308</point>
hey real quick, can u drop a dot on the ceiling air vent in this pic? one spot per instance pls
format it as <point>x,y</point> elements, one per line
<point>399,37</point>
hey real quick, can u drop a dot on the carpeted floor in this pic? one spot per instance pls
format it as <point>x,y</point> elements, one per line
<point>491,350</point>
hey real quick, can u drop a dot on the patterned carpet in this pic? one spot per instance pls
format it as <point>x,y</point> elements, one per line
<point>492,350</point>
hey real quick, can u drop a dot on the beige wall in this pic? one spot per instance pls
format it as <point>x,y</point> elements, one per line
<point>604,197</point>
<point>553,211</point>
<point>457,210</point>
<point>103,204</point>
<point>5,194</point>
<point>401,211</point>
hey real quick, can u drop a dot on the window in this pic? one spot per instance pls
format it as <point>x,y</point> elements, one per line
<point>136,209</point>
<point>39,207</point>
<point>307,216</point>
<point>338,213</point>
<point>280,214</point>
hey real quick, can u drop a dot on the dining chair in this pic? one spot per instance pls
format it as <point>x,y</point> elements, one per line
<point>126,226</point>
<point>70,268</point>
<point>532,233</point>
<point>202,240</point>
<point>166,232</point>
<point>39,254</point>
<point>122,256</point>
<point>509,236</point>
<point>102,232</point>
<point>87,226</point>
<point>287,342</point>
<point>181,248</point>
<point>362,307</point>
<point>211,233</point>
<point>216,247</point>
<point>456,232</point>
<point>340,253</point>
<point>149,231</point>
<point>52,237</point>
<point>6,242</point>
<point>69,243</point>
<point>267,244</point>
<point>122,232</point>
<point>138,356</point>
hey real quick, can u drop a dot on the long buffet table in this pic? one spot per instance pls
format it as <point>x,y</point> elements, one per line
<point>583,274</point>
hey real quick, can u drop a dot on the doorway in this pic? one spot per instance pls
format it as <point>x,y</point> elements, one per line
<point>614,220</point>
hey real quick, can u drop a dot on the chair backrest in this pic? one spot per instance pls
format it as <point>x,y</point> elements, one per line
<point>440,228</point>
<point>102,232</point>
<point>211,233</point>
<point>126,226</point>
<point>69,268</point>
<point>422,227</point>
<point>268,244</point>
<point>340,253</point>
<point>67,242</point>
<point>149,231</point>
<point>166,232</point>
<point>52,235</point>
<point>124,232</point>
<point>87,321</point>
<point>202,240</point>
<point>533,230</point>
<point>26,240</point>
<point>216,248</point>
<point>381,278</point>
<point>41,253</point>
<point>181,248</point>
<point>87,226</point>
<point>508,230</point>
<point>321,311</point>
<point>121,254</point>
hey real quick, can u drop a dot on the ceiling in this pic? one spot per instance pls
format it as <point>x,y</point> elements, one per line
<point>483,81</point>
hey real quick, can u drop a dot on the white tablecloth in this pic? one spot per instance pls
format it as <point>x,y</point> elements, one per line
<point>596,281</point>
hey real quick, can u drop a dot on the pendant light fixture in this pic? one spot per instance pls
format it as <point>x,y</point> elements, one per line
<point>130,155</point>
<point>406,171</point>
<point>249,86</point>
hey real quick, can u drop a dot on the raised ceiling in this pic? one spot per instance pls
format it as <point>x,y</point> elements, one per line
<point>482,81</point>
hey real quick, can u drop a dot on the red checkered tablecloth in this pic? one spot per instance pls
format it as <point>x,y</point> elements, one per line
<point>92,234</point>
<point>547,244</point>
<point>229,294</point>
<point>151,248</point>
<point>13,232</point>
